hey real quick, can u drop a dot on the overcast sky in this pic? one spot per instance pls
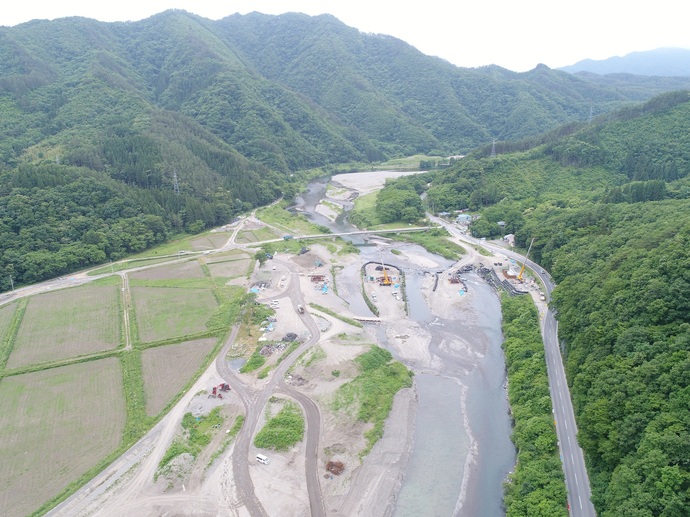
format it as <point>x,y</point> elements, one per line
<point>517,35</point>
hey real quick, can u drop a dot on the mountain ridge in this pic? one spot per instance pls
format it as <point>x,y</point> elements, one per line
<point>661,62</point>
<point>193,121</point>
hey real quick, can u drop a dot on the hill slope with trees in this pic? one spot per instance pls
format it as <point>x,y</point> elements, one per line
<point>114,136</point>
<point>608,206</point>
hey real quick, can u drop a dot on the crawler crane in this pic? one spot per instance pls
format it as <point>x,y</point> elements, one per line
<point>386,279</point>
<point>522,269</point>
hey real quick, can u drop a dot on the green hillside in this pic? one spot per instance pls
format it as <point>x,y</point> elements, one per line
<point>116,136</point>
<point>608,206</point>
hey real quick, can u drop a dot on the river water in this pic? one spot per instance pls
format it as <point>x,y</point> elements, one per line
<point>462,451</point>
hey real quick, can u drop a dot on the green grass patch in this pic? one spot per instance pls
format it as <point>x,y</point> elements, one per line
<point>288,350</point>
<point>330,312</point>
<point>434,241</point>
<point>196,435</point>
<point>229,437</point>
<point>10,318</point>
<point>283,430</point>
<point>292,223</point>
<point>363,214</point>
<point>233,304</point>
<point>255,362</point>
<point>107,281</point>
<point>370,394</point>
<point>137,420</point>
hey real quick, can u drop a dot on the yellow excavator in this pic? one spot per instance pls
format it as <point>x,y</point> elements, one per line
<point>522,269</point>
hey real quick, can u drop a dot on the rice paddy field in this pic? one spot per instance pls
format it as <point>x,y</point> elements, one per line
<point>165,312</point>
<point>178,270</point>
<point>67,323</point>
<point>73,397</point>
<point>230,265</point>
<point>166,369</point>
<point>210,241</point>
<point>55,425</point>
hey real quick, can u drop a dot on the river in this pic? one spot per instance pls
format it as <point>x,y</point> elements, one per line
<point>462,450</point>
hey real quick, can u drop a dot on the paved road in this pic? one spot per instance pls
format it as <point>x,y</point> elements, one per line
<point>576,477</point>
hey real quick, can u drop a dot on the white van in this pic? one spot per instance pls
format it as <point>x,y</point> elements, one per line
<point>262,459</point>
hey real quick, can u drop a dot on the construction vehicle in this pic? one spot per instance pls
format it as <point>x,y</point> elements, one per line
<point>386,279</point>
<point>216,391</point>
<point>524,262</point>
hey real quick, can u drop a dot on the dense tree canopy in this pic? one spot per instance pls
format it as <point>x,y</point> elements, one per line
<point>613,227</point>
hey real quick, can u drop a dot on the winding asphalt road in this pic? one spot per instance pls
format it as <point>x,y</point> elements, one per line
<point>572,458</point>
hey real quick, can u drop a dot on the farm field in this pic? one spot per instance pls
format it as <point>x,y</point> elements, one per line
<point>164,312</point>
<point>230,265</point>
<point>255,235</point>
<point>186,269</point>
<point>53,429</point>
<point>210,241</point>
<point>67,323</point>
<point>167,369</point>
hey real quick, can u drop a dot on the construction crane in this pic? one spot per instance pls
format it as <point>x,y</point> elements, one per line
<point>386,279</point>
<point>524,262</point>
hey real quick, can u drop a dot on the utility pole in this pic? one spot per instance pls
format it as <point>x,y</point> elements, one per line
<point>176,185</point>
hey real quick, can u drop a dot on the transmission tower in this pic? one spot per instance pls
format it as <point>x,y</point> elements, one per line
<point>493,149</point>
<point>176,185</point>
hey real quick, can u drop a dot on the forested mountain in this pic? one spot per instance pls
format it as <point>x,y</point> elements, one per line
<point>608,206</point>
<point>663,62</point>
<point>115,135</point>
